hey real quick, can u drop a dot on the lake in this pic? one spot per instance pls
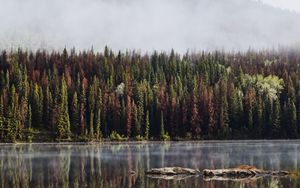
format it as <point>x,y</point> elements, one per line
<point>110,164</point>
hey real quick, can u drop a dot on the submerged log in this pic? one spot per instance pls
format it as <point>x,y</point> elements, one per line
<point>171,171</point>
<point>240,172</point>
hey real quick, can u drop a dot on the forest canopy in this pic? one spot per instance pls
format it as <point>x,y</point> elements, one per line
<point>91,96</point>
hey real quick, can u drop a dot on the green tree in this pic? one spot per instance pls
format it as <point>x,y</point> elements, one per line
<point>63,122</point>
<point>147,125</point>
<point>82,110</point>
<point>276,119</point>
<point>74,114</point>
<point>37,106</point>
<point>162,125</point>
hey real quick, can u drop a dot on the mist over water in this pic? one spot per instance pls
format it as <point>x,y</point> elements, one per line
<point>147,25</point>
<point>110,165</point>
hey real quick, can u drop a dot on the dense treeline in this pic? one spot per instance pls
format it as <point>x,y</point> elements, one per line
<point>72,95</point>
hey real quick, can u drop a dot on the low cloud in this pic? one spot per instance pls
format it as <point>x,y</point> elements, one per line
<point>146,24</point>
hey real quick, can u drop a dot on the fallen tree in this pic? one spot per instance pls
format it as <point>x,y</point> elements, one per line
<point>171,171</point>
<point>244,172</point>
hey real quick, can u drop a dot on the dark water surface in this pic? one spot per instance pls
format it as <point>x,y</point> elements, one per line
<point>109,164</point>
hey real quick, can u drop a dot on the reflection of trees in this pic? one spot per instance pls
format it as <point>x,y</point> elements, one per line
<point>103,165</point>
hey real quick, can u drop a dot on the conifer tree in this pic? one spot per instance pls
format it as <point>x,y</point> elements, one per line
<point>195,119</point>
<point>162,125</point>
<point>276,119</point>
<point>63,122</point>
<point>129,116</point>
<point>147,126</point>
<point>91,104</point>
<point>74,114</point>
<point>37,106</point>
<point>82,110</point>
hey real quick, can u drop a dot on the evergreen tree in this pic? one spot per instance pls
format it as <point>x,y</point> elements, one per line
<point>82,110</point>
<point>63,122</point>
<point>162,125</point>
<point>91,104</point>
<point>298,112</point>
<point>129,116</point>
<point>37,106</point>
<point>98,114</point>
<point>2,118</point>
<point>28,122</point>
<point>276,119</point>
<point>14,124</point>
<point>195,119</point>
<point>209,94</point>
<point>292,119</point>
<point>74,114</point>
<point>147,126</point>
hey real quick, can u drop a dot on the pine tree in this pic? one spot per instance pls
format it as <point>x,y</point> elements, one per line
<point>98,114</point>
<point>162,125</point>
<point>91,104</point>
<point>259,117</point>
<point>298,111</point>
<point>82,110</point>
<point>195,119</point>
<point>2,118</point>
<point>137,125</point>
<point>74,114</point>
<point>63,122</point>
<point>147,126</point>
<point>28,122</point>
<point>276,119</point>
<point>211,115</point>
<point>14,124</point>
<point>129,116</point>
<point>47,106</point>
<point>249,102</point>
<point>98,124</point>
<point>292,119</point>
<point>140,110</point>
<point>268,117</point>
<point>223,107</point>
<point>37,106</point>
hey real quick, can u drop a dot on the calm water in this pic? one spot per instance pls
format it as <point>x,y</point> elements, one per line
<point>109,165</point>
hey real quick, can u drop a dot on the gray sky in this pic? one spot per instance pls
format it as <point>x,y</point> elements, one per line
<point>149,24</point>
<point>293,5</point>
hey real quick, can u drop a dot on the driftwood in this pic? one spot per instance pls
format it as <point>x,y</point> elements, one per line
<point>240,173</point>
<point>171,171</point>
<point>171,177</point>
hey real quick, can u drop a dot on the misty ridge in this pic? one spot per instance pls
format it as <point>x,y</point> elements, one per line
<point>147,25</point>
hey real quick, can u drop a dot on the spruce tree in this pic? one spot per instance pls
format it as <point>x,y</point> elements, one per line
<point>82,110</point>
<point>162,125</point>
<point>74,114</point>
<point>147,126</point>
<point>276,119</point>
<point>63,122</point>
<point>37,106</point>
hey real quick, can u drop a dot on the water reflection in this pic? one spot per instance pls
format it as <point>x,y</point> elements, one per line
<point>110,165</point>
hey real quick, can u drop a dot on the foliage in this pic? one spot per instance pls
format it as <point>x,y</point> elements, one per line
<point>114,136</point>
<point>165,137</point>
<point>93,96</point>
<point>139,138</point>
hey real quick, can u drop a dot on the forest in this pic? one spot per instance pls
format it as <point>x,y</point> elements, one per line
<point>72,95</point>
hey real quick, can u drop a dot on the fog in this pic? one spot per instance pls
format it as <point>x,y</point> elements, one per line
<point>146,25</point>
